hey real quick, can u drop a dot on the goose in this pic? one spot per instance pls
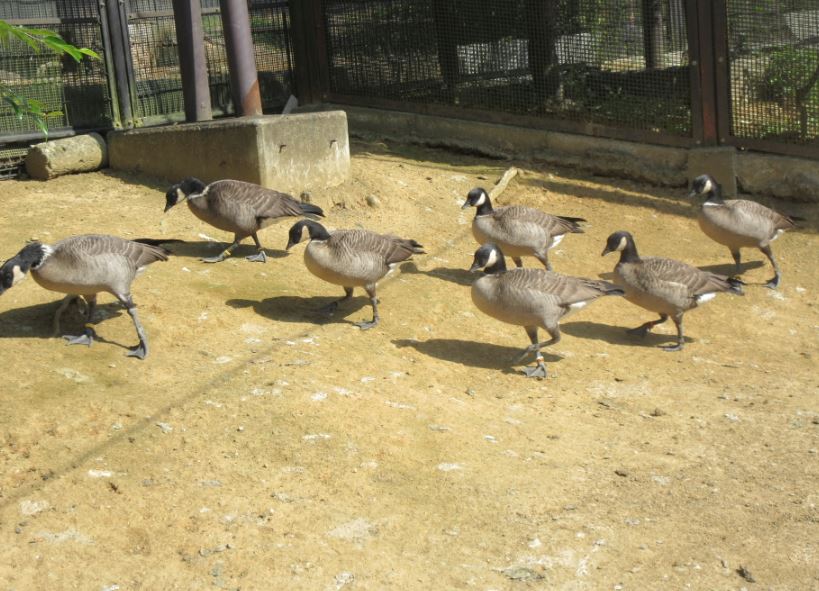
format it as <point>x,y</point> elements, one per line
<point>518,230</point>
<point>666,286</point>
<point>739,223</point>
<point>532,298</point>
<point>85,266</point>
<point>352,258</point>
<point>238,207</point>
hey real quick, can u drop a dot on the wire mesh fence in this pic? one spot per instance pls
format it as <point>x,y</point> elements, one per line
<point>774,69</point>
<point>612,62</point>
<point>152,33</point>
<point>77,92</point>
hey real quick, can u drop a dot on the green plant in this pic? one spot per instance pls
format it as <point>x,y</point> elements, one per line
<point>36,39</point>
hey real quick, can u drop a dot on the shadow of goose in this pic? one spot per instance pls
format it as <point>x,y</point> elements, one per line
<point>471,353</point>
<point>729,269</point>
<point>303,309</point>
<point>618,335</point>
<point>206,248</point>
<point>37,322</point>
<point>455,275</point>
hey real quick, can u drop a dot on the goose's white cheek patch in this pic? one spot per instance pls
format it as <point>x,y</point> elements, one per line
<point>707,186</point>
<point>622,245</point>
<point>481,200</point>
<point>17,275</point>
<point>493,258</point>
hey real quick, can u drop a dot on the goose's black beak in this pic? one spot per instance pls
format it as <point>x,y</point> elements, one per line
<point>475,268</point>
<point>465,205</point>
<point>606,251</point>
<point>290,244</point>
<point>692,194</point>
<point>167,207</point>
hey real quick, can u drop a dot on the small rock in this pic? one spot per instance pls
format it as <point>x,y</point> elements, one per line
<point>470,392</point>
<point>621,472</point>
<point>164,427</point>
<point>33,507</point>
<point>745,574</point>
<point>373,201</point>
<point>658,412</point>
<point>521,573</point>
<point>447,467</point>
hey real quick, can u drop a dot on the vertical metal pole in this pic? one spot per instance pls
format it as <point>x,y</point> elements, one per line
<point>244,80</point>
<point>301,53</point>
<point>190,37</point>
<point>653,34</point>
<point>705,24</point>
<point>121,53</point>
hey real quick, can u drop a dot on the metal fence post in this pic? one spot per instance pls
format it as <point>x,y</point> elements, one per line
<point>117,29</point>
<point>192,61</point>
<point>310,51</point>
<point>244,79</point>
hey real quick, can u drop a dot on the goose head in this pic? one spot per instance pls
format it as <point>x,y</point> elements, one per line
<point>703,185</point>
<point>314,229</point>
<point>183,190</point>
<point>14,270</point>
<point>622,242</point>
<point>475,198</point>
<point>488,257</point>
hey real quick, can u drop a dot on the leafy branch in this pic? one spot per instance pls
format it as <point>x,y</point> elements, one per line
<point>37,39</point>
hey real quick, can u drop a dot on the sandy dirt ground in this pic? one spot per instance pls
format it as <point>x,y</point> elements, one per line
<point>262,446</point>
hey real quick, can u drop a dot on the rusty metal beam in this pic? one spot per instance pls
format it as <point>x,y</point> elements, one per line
<point>192,61</point>
<point>244,80</point>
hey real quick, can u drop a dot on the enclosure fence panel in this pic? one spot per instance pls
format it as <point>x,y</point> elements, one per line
<point>613,63</point>
<point>76,94</point>
<point>155,58</point>
<point>675,72</point>
<point>773,74</point>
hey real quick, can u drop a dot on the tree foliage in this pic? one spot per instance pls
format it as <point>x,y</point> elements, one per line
<point>37,39</point>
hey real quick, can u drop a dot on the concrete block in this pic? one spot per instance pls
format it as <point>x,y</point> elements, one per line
<point>290,153</point>
<point>82,153</point>
<point>784,177</point>
<point>719,162</point>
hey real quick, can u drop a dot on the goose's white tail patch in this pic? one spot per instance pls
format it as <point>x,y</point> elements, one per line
<point>578,305</point>
<point>706,297</point>
<point>709,204</point>
<point>556,240</point>
<point>777,234</point>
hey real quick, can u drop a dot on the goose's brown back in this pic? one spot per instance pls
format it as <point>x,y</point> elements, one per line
<point>357,257</point>
<point>666,286</point>
<point>533,297</point>
<point>520,230</point>
<point>94,263</point>
<point>740,223</point>
<point>242,208</point>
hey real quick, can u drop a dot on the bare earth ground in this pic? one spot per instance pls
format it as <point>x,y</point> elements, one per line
<point>261,447</point>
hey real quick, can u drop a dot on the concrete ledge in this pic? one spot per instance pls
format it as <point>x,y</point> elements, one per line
<point>778,176</point>
<point>655,164</point>
<point>290,153</point>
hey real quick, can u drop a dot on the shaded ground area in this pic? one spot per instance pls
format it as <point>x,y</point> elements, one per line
<point>260,446</point>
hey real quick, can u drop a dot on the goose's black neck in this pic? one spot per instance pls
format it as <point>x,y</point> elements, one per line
<point>629,253</point>
<point>316,230</point>
<point>498,268</point>
<point>31,256</point>
<point>715,194</point>
<point>484,208</point>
